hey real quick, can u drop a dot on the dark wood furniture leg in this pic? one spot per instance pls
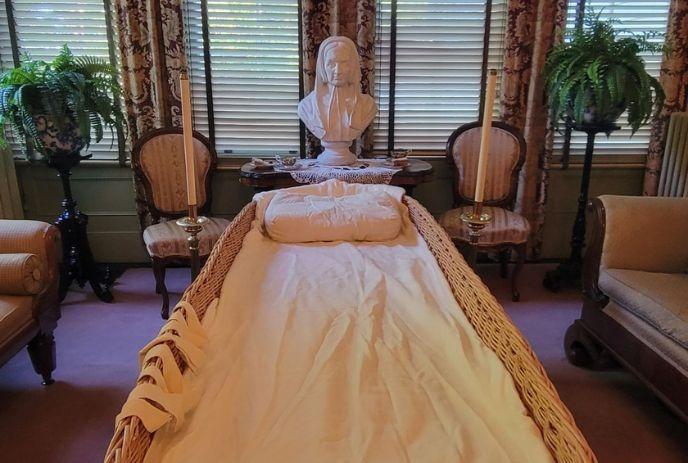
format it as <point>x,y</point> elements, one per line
<point>504,263</point>
<point>159,268</point>
<point>520,260</point>
<point>42,352</point>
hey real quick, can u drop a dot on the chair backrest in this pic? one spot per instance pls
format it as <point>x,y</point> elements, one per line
<point>158,163</point>
<point>506,156</point>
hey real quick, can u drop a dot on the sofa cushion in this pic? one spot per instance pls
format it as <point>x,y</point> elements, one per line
<point>15,313</point>
<point>661,299</point>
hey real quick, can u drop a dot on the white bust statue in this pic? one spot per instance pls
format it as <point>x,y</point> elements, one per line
<point>336,111</point>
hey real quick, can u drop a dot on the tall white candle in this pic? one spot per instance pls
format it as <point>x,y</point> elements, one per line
<point>485,136</point>
<point>187,127</point>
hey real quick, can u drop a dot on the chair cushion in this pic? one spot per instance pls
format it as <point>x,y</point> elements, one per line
<point>15,313</point>
<point>505,227</point>
<point>661,299</point>
<point>168,239</point>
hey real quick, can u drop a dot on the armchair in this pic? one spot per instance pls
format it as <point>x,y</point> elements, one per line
<point>29,303</point>
<point>635,297</point>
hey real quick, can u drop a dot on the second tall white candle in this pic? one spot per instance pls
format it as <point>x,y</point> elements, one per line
<point>485,136</point>
<point>187,127</point>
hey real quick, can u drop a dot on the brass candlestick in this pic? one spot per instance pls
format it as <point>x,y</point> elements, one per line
<point>192,225</point>
<point>475,220</point>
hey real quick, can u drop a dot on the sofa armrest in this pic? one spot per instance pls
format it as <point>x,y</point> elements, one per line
<point>43,240</point>
<point>636,233</point>
<point>645,233</point>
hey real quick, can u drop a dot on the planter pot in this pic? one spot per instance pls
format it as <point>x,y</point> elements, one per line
<point>593,117</point>
<point>56,140</point>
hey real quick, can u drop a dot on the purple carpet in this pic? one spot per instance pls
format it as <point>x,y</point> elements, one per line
<point>97,344</point>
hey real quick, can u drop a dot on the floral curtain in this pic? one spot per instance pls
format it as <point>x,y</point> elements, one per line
<point>533,27</point>
<point>674,79</point>
<point>151,46</point>
<point>354,19</point>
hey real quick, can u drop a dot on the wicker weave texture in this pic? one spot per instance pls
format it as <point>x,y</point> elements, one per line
<point>559,432</point>
<point>490,321</point>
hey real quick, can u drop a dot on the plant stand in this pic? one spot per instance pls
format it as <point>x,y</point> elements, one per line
<point>569,271</point>
<point>78,264</point>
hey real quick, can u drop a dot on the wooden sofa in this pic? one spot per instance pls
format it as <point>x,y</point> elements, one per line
<point>635,308</point>
<point>30,254</point>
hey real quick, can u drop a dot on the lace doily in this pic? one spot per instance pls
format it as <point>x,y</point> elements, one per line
<point>358,173</point>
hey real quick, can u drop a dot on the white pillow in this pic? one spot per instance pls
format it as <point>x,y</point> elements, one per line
<point>291,217</point>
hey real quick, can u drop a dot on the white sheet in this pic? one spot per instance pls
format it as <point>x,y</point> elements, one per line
<point>347,352</point>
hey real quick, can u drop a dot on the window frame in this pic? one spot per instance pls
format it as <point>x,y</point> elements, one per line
<point>208,83</point>
<point>431,153</point>
<point>122,155</point>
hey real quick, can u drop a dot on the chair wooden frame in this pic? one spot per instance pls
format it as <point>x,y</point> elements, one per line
<point>160,264</point>
<point>505,202</point>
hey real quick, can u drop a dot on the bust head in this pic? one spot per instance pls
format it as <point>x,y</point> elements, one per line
<point>340,63</point>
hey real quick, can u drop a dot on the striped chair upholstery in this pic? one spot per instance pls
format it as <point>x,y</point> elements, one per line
<point>506,226</point>
<point>167,239</point>
<point>508,230</point>
<point>503,158</point>
<point>162,162</point>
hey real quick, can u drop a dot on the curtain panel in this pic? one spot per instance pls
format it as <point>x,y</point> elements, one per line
<point>533,27</point>
<point>354,19</point>
<point>152,53</point>
<point>151,46</point>
<point>674,79</point>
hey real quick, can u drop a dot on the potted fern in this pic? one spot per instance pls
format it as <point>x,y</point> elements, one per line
<point>59,107</point>
<point>595,76</point>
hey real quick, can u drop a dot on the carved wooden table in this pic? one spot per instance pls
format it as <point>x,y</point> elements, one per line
<point>411,176</point>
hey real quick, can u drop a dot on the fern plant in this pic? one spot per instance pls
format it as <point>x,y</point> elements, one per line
<point>81,91</point>
<point>596,75</point>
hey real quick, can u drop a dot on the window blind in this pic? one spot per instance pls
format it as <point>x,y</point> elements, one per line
<point>254,55</point>
<point>43,27</point>
<point>634,16</point>
<point>439,58</point>
<point>6,61</point>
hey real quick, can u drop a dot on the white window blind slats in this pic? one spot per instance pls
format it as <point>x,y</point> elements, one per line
<point>634,16</point>
<point>6,60</point>
<point>254,52</point>
<point>439,60</point>
<point>42,29</point>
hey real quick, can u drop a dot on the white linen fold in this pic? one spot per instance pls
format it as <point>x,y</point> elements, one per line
<point>167,399</point>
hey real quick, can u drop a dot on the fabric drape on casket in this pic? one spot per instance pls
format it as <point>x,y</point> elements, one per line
<point>674,79</point>
<point>152,53</point>
<point>354,19</point>
<point>533,27</point>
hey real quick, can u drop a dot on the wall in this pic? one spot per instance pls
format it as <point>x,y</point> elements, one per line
<point>105,192</point>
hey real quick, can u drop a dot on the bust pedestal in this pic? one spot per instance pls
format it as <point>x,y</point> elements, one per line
<point>336,153</point>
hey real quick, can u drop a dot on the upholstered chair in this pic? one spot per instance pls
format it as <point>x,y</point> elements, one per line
<point>158,163</point>
<point>508,230</point>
